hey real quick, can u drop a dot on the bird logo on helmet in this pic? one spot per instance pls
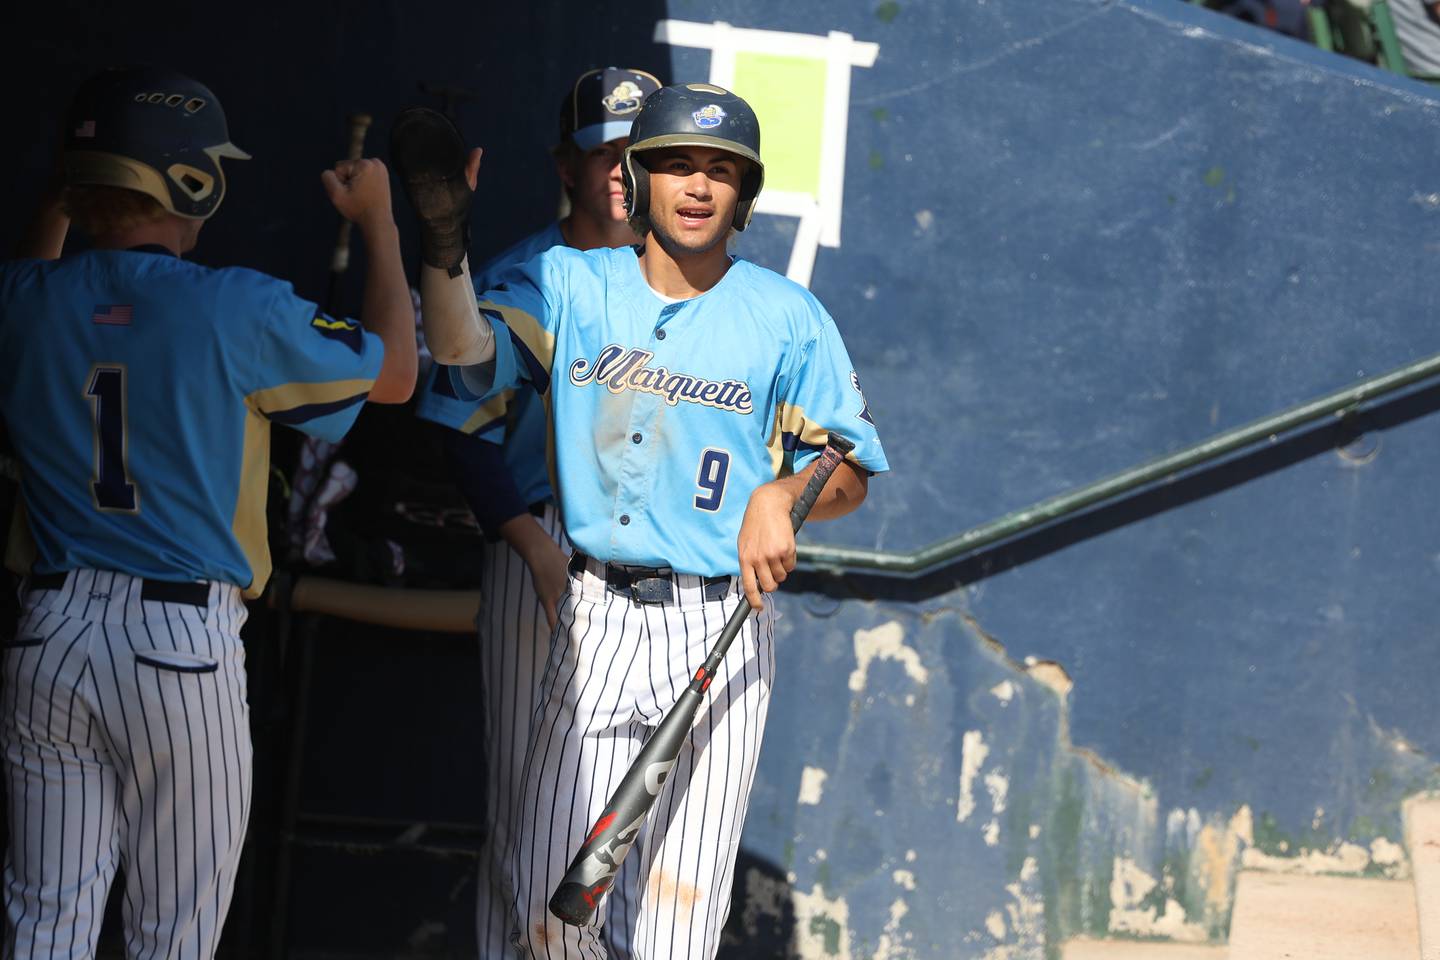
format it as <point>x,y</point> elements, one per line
<point>153,131</point>
<point>692,115</point>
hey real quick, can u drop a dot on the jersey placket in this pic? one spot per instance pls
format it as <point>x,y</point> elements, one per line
<point>641,458</point>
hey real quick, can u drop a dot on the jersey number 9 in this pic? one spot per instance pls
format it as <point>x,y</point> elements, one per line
<point>710,478</point>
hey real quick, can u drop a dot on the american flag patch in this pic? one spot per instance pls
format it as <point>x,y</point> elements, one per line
<point>116,314</point>
<point>86,129</point>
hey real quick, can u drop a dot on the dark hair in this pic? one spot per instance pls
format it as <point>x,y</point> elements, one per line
<point>100,211</point>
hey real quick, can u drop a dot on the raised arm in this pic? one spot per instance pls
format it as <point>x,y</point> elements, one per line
<point>360,190</point>
<point>439,178</point>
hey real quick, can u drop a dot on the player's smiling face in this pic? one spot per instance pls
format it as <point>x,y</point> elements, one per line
<point>693,195</point>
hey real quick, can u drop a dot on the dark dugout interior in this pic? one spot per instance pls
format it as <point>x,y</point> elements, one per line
<point>385,791</point>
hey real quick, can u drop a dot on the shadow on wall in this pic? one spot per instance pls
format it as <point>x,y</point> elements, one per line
<point>1348,436</point>
<point>762,912</point>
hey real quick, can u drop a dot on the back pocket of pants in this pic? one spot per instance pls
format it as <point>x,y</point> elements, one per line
<point>177,661</point>
<point>17,643</point>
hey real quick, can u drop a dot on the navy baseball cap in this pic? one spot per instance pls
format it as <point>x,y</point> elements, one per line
<point>602,104</point>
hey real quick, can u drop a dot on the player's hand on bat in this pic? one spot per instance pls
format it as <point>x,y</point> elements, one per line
<point>360,190</point>
<point>766,543</point>
<point>550,572</point>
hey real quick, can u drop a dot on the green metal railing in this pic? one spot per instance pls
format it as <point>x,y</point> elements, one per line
<point>1362,30</point>
<point>911,565</point>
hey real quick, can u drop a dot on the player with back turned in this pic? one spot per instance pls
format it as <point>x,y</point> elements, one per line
<point>497,455</point>
<point>139,390</point>
<point>690,393</point>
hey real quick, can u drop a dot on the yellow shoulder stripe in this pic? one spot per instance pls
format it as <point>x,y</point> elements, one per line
<point>288,396</point>
<point>537,339</point>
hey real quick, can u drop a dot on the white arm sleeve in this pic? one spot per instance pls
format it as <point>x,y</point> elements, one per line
<point>455,331</point>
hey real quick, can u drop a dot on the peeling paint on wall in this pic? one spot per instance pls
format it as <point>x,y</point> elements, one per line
<point>885,642</point>
<point>822,925</point>
<point>972,756</point>
<point>1341,858</point>
<point>1026,911</point>
<point>1130,892</point>
<point>892,939</point>
<point>812,785</point>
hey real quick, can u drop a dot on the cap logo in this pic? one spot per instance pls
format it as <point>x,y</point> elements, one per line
<point>708,116</point>
<point>624,99</point>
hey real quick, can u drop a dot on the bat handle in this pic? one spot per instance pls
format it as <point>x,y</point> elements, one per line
<point>340,261</point>
<point>836,448</point>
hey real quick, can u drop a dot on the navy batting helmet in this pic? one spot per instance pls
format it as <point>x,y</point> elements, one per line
<point>154,131</point>
<point>693,115</point>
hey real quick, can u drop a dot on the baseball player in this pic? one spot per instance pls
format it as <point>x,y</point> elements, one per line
<point>497,454</point>
<point>139,390</point>
<point>690,392</point>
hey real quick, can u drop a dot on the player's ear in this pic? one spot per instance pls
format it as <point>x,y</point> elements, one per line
<point>566,159</point>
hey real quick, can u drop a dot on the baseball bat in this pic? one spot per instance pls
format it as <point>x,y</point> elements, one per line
<point>340,259</point>
<point>610,839</point>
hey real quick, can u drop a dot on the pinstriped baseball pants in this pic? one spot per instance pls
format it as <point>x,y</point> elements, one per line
<point>614,670</point>
<point>514,645</point>
<point>126,741</point>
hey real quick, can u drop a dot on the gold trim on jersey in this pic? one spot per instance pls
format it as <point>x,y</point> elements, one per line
<point>790,418</point>
<point>539,341</point>
<point>288,396</point>
<point>489,411</point>
<point>248,525</point>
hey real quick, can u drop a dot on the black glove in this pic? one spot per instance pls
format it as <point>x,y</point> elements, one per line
<point>429,158</point>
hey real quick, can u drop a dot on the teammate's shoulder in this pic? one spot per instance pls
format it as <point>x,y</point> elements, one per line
<point>251,283</point>
<point>572,262</point>
<point>775,284</point>
<point>779,293</point>
<point>13,270</point>
<point>526,248</point>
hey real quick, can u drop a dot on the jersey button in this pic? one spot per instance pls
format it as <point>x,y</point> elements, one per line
<point>636,438</point>
<point>624,519</point>
<point>659,334</point>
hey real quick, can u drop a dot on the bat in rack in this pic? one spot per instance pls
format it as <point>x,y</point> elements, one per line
<point>340,260</point>
<point>593,869</point>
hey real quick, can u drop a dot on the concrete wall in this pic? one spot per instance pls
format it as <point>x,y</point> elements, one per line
<point>1076,234</point>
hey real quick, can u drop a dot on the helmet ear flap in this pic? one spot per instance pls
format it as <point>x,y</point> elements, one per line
<point>636,181</point>
<point>750,185</point>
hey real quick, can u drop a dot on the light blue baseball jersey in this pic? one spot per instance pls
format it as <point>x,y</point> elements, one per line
<point>139,390</point>
<point>515,418</point>
<point>668,416</point>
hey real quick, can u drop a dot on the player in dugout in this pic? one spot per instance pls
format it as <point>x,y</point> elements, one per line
<point>139,389</point>
<point>690,394</point>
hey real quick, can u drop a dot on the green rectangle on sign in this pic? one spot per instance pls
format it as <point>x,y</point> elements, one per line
<point>788,94</point>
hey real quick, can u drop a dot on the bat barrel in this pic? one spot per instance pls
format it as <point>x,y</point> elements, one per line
<point>572,903</point>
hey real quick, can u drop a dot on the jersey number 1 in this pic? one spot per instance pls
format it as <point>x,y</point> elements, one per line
<point>111,487</point>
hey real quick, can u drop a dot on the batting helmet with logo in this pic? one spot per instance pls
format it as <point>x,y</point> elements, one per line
<point>693,115</point>
<point>154,131</point>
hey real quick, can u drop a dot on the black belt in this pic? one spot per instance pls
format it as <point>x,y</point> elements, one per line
<point>647,584</point>
<point>160,591</point>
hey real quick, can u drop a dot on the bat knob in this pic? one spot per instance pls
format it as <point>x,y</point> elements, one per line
<point>575,903</point>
